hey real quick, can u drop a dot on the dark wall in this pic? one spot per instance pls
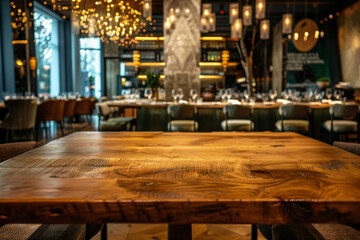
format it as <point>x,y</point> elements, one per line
<point>65,49</point>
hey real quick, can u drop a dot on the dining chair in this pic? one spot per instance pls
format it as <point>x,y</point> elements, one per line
<point>344,119</point>
<point>294,118</point>
<point>182,118</point>
<point>237,118</point>
<point>58,113</point>
<point>43,115</point>
<point>69,111</point>
<point>21,116</point>
<point>82,107</point>
<point>109,123</point>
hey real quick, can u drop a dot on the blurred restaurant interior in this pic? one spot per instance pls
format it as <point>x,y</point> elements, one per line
<point>89,87</point>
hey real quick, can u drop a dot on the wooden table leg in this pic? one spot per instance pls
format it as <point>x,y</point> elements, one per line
<point>179,232</point>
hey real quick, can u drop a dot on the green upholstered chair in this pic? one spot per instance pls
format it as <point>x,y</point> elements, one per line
<point>108,123</point>
<point>344,120</point>
<point>182,118</point>
<point>237,118</point>
<point>21,116</point>
<point>294,118</point>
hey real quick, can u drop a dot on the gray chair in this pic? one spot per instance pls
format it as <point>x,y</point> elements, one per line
<point>294,118</point>
<point>343,120</point>
<point>108,123</point>
<point>350,147</point>
<point>21,116</point>
<point>237,118</point>
<point>182,118</point>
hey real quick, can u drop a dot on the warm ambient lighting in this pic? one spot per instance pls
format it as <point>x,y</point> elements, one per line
<point>260,9</point>
<point>247,15</point>
<point>236,29</point>
<point>264,29</point>
<point>19,42</point>
<point>287,24</point>
<point>19,63</point>
<point>204,24</point>
<point>206,9</point>
<point>147,9</point>
<point>316,36</point>
<point>212,22</point>
<point>212,38</point>
<point>32,63</point>
<point>296,36</point>
<point>234,12</point>
<point>117,21</point>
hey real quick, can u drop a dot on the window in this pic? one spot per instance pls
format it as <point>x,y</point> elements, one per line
<point>47,54</point>
<point>90,65</point>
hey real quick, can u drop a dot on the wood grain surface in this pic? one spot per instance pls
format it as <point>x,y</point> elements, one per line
<point>154,177</point>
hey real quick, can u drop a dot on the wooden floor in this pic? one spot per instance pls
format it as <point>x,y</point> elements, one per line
<point>159,232</point>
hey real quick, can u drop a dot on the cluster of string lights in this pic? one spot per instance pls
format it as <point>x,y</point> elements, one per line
<point>111,20</point>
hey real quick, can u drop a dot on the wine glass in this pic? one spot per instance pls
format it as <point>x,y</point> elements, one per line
<point>180,93</point>
<point>193,94</point>
<point>272,94</point>
<point>246,95</point>
<point>148,93</point>
<point>228,93</point>
<point>337,94</point>
<point>328,93</point>
<point>175,95</point>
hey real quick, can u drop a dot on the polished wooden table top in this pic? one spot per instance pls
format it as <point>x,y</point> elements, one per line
<point>154,177</point>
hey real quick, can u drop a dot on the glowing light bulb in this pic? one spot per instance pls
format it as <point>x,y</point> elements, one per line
<point>247,13</point>
<point>287,20</point>
<point>296,36</point>
<point>260,5</point>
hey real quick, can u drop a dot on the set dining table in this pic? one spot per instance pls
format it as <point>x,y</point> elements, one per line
<point>181,179</point>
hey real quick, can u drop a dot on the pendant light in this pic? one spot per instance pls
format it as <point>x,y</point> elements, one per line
<point>247,15</point>
<point>236,29</point>
<point>147,9</point>
<point>287,23</point>
<point>260,9</point>
<point>212,22</point>
<point>233,12</point>
<point>264,29</point>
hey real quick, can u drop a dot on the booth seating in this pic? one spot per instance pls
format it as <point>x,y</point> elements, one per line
<point>109,123</point>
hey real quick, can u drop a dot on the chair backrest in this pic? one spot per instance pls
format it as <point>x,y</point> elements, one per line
<point>82,106</point>
<point>291,111</point>
<point>44,111</point>
<point>237,112</point>
<point>93,101</point>
<point>9,150</point>
<point>103,109</point>
<point>104,99</point>
<point>344,111</point>
<point>182,111</point>
<point>22,114</point>
<point>58,110</point>
<point>69,109</point>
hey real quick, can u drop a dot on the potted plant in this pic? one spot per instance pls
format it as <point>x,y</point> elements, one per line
<point>323,82</point>
<point>153,82</point>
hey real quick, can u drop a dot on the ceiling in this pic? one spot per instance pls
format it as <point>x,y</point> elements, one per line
<point>315,9</point>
